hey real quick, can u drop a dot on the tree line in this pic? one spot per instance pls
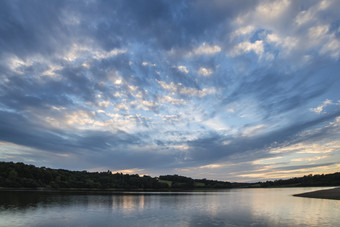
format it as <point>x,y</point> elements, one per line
<point>332,179</point>
<point>176,181</point>
<point>20,175</point>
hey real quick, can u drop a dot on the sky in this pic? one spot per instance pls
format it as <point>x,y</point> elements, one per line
<point>229,90</point>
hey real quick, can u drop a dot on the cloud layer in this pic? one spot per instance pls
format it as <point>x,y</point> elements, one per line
<point>230,90</point>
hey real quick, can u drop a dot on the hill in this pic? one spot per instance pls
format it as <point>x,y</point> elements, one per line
<point>332,179</point>
<point>20,175</point>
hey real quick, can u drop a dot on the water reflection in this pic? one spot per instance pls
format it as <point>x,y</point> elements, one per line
<point>277,206</point>
<point>128,203</point>
<point>240,207</point>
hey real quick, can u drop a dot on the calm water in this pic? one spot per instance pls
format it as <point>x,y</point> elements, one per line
<point>235,207</point>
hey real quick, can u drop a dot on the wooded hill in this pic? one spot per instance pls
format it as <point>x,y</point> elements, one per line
<point>332,179</point>
<point>20,175</point>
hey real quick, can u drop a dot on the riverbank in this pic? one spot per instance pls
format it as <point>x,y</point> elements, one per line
<point>333,193</point>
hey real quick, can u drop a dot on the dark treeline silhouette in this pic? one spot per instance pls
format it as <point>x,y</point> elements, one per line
<point>332,179</point>
<point>177,181</point>
<point>20,175</point>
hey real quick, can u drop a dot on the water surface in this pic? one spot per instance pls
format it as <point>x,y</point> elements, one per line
<point>234,207</point>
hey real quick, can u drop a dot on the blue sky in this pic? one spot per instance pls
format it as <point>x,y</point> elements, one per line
<point>228,90</point>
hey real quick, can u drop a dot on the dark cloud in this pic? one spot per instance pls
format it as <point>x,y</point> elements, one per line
<point>212,148</point>
<point>32,27</point>
<point>305,166</point>
<point>19,130</point>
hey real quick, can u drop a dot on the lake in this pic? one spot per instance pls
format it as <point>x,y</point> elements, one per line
<point>234,207</point>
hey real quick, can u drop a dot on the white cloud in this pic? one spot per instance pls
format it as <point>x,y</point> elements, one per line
<point>318,32</point>
<point>332,47</point>
<point>125,122</point>
<point>188,91</point>
<point>327,43</point>
<point>85,52</point>
<point>51,72</point>
<point>288,43</point>
<point>303,17</point>
<point>243,31</point>
<point>303,148</point>
<point>272,9</point>
<point>196,92</point>
<point>144,104</point>
<point>292,33</point>
<point>104,104</point>
<point>244,47</point>
<point>319,35</point>
<point>78,119</point>
<point>320,108</point>
<point>170,117</point>
<point>182,147</point>
<point>19,65</point>
<point>254,130</point>
<point>211,166</point>
<point>206,49</point>
<point>272,173</point>
<point>267,161</point>
<point>310,31</point>
<point>100,54</point>
<point>311,15</point>
<point>170,87</point>
<point>121,106</point>
<point>118,81</point>
<point>205,71</point>
<point>183,69</point>
<point>311,159</point>
<point>169,99</point>
<point>216,124</point>
<point>144,63</point>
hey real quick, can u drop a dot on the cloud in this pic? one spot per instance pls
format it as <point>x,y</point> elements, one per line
<point>245,47</point>
<point>186,91</point>
<point>288,172</point>
<point>183,69</point>
<point>253,130</point>
<point>302,148</point>
<point>212,148</point>
<point>206,49</point>
<point>311,15</point>
<point>243,31</point>
<point>169,99</point>
<point>211,166</point>
<point>287,43</point>
<point>319,109</point>
<point>166,87</point>
<point>205,71</point>
<point>315,158</point>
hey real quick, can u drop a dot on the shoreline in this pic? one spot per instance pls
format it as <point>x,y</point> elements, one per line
<point>108,191</point>
<point>333,193</point>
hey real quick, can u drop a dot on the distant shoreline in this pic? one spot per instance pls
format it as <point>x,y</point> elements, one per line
<point>109,191</point>
<point>333,193</point>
